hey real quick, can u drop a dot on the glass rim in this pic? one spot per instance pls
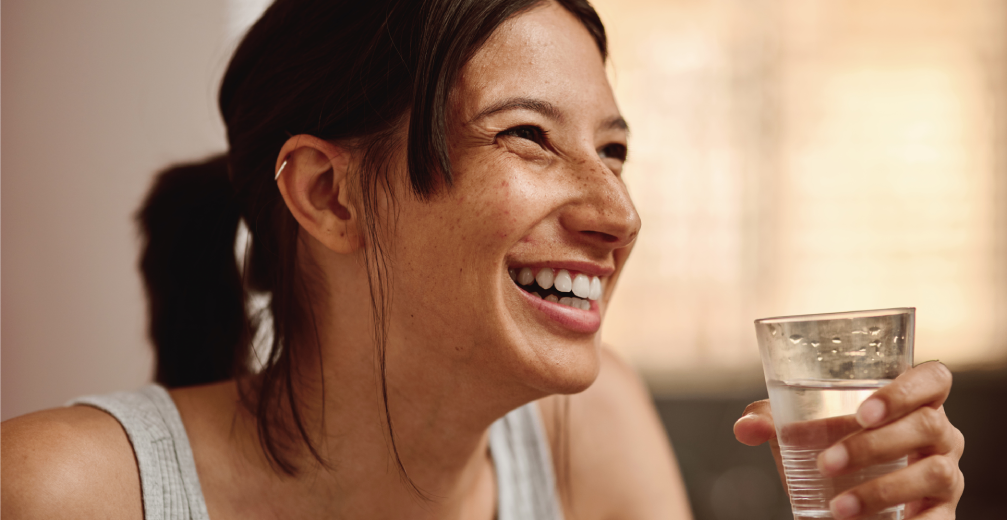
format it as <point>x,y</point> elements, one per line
<point>831,316</point>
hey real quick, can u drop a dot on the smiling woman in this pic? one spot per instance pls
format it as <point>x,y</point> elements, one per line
<point>434,196</point>
<point>402,168</point>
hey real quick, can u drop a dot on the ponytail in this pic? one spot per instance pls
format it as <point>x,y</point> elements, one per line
<point>194,290</point>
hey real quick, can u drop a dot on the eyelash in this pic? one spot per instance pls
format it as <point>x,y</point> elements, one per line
<point>615,151</point>
<point>538,135</point>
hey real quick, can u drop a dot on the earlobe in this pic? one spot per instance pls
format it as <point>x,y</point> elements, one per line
<point>313,177</point>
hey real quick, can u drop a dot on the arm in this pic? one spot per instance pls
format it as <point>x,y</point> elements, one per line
<point>905,418</point>
<point>68,463</point>
<point>620,462</point>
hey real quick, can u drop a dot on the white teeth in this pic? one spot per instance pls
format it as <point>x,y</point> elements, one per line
<point>537,295</point>
<point>576,303</point>
<point>563,281</point>
<point>595,292</point>
<point>544,278</point>
<point>581,285</point>
<point>551,298</point>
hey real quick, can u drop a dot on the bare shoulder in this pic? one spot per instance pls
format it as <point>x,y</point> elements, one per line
<point>620,464</point>
<point>73,462</point>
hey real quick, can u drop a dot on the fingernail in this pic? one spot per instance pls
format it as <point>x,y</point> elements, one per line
<point>833,459</point>
<point>871,412</point>
<point>845,506</point>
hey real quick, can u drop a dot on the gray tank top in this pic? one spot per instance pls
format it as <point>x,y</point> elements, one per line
<point>526,486</point>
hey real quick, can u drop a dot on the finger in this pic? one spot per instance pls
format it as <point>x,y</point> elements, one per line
<point>924,432</point>
<point>756,425</point>
<point>927,384</point>
<point>927,509</point>
<point>958,439</point>
<point>935,478</point>
<point>941,512</point>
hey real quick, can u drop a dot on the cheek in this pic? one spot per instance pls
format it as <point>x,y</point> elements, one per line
<point>460,239</point>
<point>497,213</point>
<point>501,212</point>
<point>458,232</point>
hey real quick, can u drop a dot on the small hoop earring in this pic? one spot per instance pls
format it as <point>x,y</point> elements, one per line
<point>278,172</point>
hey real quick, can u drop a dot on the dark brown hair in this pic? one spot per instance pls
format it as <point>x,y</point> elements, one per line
<point>350,71</point>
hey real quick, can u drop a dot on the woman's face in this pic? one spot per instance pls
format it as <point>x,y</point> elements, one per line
<point>537,148</point>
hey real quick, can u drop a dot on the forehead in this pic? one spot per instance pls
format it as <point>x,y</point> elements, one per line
<point>544,53</point>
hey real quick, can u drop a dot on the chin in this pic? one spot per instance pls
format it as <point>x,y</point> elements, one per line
<point>567,367</point>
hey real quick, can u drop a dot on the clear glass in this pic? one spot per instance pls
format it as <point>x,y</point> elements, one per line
<point>819,368</point>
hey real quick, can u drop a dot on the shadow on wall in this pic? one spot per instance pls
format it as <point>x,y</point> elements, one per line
<point>727,480</point>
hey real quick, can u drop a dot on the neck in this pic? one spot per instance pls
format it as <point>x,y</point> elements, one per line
<point>439,411</point>
<point>446,469</point>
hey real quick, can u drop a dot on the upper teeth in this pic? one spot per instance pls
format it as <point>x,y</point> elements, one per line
<point>544,278</point>
<point>581,285</point>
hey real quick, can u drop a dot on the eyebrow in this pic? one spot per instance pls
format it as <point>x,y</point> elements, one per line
<point>615,123</point>
<point>545,108</point>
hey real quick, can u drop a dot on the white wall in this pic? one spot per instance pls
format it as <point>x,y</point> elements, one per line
<point>97,96</point>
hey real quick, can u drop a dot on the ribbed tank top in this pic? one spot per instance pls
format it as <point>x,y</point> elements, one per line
<point>526,486</point>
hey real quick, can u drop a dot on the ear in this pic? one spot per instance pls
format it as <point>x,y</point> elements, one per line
<point>314,183</point>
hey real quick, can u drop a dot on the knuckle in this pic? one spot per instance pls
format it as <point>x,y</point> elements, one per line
<point>862,447</point>
<point>942,374</point>
<point>898,394</point>
<point>959,441</point>
<point>881,493</point>
<point>941,473</point>
<point>931,421</point>
<point>950,441</point>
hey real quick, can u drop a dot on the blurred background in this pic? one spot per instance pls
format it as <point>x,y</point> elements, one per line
<point>787,157</point>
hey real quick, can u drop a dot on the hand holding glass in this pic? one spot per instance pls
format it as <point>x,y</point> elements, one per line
<point>819,369</point>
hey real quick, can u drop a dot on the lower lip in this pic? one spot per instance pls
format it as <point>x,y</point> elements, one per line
<point>575,320</point>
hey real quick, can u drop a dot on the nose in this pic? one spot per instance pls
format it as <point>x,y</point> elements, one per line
<point>602,214</point>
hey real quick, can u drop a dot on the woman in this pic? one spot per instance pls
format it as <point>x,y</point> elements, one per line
<point>434,197</point>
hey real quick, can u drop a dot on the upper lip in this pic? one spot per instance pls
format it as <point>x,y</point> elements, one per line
<point>587,268</point>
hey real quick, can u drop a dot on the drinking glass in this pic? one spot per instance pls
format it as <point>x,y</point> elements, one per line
<point>819,368</point>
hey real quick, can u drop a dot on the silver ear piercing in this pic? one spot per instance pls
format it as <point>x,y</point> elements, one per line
<point>278,172</point>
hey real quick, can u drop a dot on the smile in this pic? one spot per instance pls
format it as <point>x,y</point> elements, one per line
<point>559,286</point>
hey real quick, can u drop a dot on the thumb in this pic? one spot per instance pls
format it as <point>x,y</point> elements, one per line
<point>756,425</point>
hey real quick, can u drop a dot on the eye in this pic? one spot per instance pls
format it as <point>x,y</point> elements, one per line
<point>613,151</point>
<point>527,132</point>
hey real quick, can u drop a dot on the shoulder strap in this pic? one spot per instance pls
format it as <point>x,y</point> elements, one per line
<point>525,480</point>
<point>168,476</point>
